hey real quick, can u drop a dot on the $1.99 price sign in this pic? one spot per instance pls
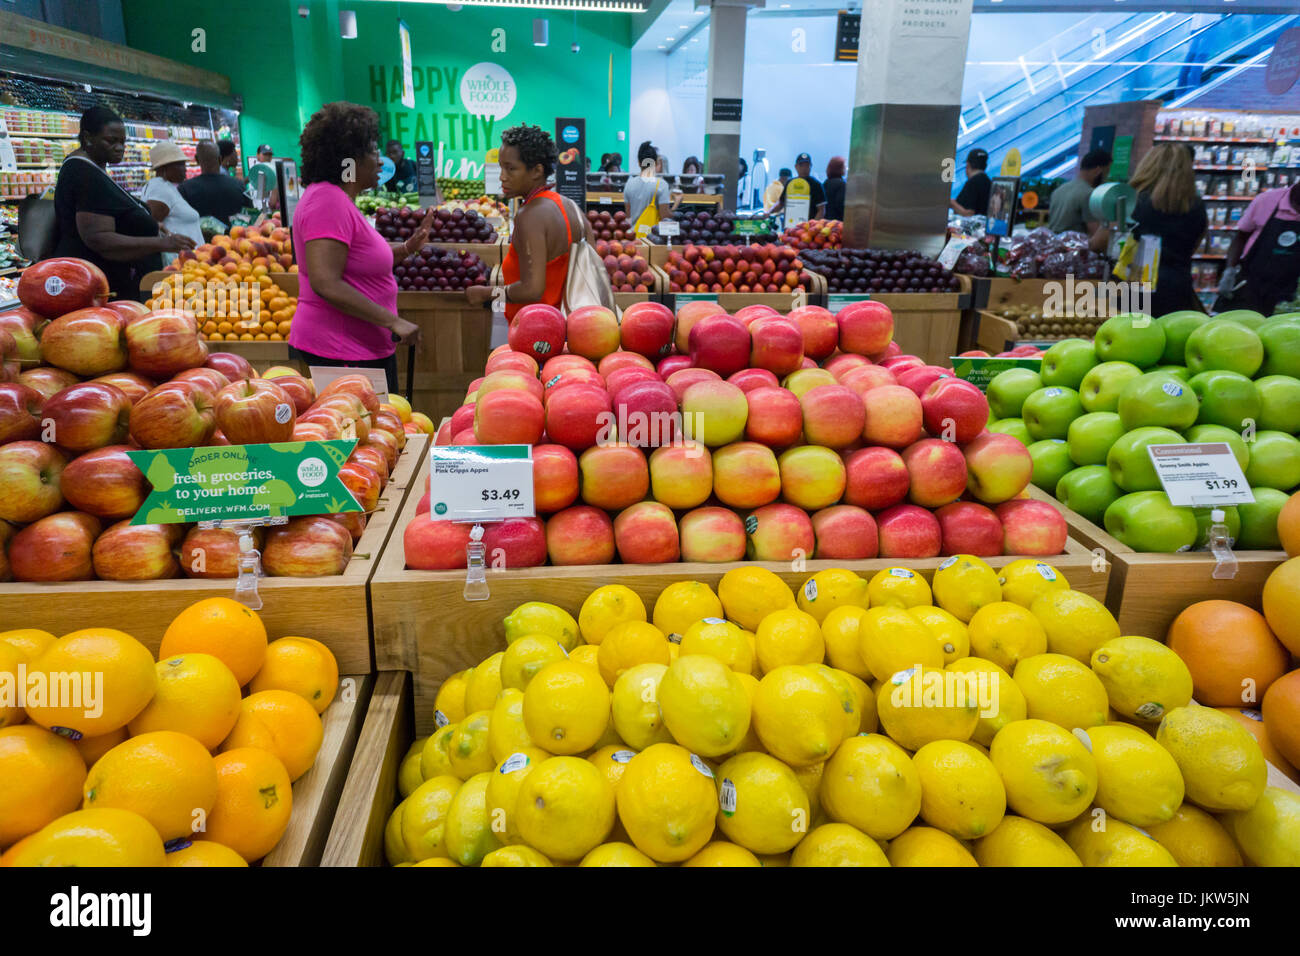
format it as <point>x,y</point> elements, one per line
<point>1200,475</point>
<point>481,482</point>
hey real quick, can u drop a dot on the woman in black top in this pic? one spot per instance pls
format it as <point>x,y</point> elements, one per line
<point>1169,207</point>
<point>834,187</point>
<point>101,222</point>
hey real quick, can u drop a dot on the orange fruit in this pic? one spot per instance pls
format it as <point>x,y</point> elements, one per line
<point>40,780</point>
<point>197,695</point>
<point>205,853</point>
<point>10,713</point>
<point>1281,710</point>
<point>254,801</point>
<point>222,627</point>
<point>105,837</point>
<point>282,723</point>
<point>1281,602</point>
<point>302,665</point>
<point>92,748</point>
<point>31,641</point>
<point>121,682</point>
<point>1253,721</point>
<point>1225,644</point>
<point>166,777</point>
<point>1288,526</point>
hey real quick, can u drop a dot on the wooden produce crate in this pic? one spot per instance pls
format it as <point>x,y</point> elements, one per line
<point>460,633</point>
<point>813,293</point>
<point>927,324</point>
<point>1147,591</point>
<point>992,333</point>
<point>454,345</point>
<point>333,610</point>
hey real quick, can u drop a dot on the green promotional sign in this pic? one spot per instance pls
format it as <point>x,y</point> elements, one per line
<point>752,227</point>
<point>981,371</point>
<point>244,481</point>
<point>836,302</point>
<point>1121,159</point>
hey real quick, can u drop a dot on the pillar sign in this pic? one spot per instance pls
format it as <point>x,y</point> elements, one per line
<point>798,201</point>
<point>727,109</point>
<point>571,172</point>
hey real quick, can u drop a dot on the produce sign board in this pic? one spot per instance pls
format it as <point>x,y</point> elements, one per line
<point>752,227</point>
<point>481,482</point>
<point>1200,475</point>
<point>681,298</point>
<point>837,302</point>
<point>225,482</point>
<point>981,371</point>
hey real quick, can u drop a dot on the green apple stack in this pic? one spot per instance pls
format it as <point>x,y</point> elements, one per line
<point>1089,415</point>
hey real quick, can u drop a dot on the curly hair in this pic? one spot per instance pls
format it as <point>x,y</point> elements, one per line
<point>536,148</point>
<point>335,133</point>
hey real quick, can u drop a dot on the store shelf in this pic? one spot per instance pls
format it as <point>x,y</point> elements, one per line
<point>1208,255</point>
<point>1239,168</point>
<point>1228,198</point>
<point>1258,141</point>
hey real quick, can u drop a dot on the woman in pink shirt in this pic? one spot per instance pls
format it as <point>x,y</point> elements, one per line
<point>1267,245</point>
<point>347,296</point>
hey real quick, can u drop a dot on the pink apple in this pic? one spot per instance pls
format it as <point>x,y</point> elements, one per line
<point>864,378</point>
<point>746,475</point>
<point>681,474</point>
<point>580,535</point>
<point>839,365</point>
<point>509,378</point>
<point>776,345</point>
<point>845,533</point>
<point>875,478</point>
<point>812,476</point>
<point>969,528</point>
<point>720,343</point>
<point>712,535</point>
<point>1032,527</point>
<point>775,417</point>
<point>892,350</point>
<point>714,412</point>
<point>515,543</point>
<point>621,377</point>
<point>647,329</point>
<point>613,476</point>
<point>907,531</point>
<point>937,470</point>
<point>921,377</point>
<point>672,363</point>
<point>750,314</point>
<point>537,330</point>
<point>819,330</point>
<point>431,545</point>
<point>683,379</point>
<point>555,478</point>
<point>562,363</point>
<point>577,417</point>
<point>998,467</point>
<point>893,416</point>
<point>509,361</point>
<point>462,418</point>
<point>898,364</point>
<point>646,533</point>
<point>508,417</point>
<point>865,327</point>
<point>592,332</point>
<point>748,379</point>
<point>621,359</point>
<point>687,316</point>
<point>833,415</point>
<point>779,532</point>
<point>570,377</point>
<point>647,414</point>
<point>229,364</point>
<point>954,410</point>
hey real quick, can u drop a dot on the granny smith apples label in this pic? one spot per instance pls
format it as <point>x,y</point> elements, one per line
<point>481,482</point>
<point>1200,475</point>
<point>981,371</point>
<point>225,482</point>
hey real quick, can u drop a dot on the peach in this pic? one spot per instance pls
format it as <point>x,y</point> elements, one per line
<point>514,361</point>
<point>555,478</point>
<point>681,474</point>
<point>807,379</point>
<point>1032,528</point>
<point>508,417</point>
<point>937,470</point>
<point>775,417</point>
<point>746,475</point>
<point>779,532</point>
<point>621,359</point>
<point>592,331</point>
<point>515,543</point>
<point>812,477</point>
<point>580,535</point>
<point>578,417</point>
<point>865,327</point>
<point>748,379</point>
<point>833,415</point>
<point>845,533</point>
<point>683,379</point>
<point>537,330</point>
<point>893,416</point>
<point>613,476</point>
<point>969,528</point>
<point>646,533</point>
<point>863,378</point>
<point>954,410</point>
<point>647,329</point>
<point>431,545</point>
<point>875,478</point>
<point>998,467</point>
<point>510,378</point>
<point>687,316</point>
<point>907,531</point>
<point>563,362</point>
<point>818,329</point>
<point>714,412</point>
<point>845,362</point>
<point>712,535</point>
<point>775,345</point>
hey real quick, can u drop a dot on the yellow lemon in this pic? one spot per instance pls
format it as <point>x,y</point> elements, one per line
<point>97,837</point>
<point>435,758</point>
<point>898,587</point>
<point>1137,780</point>
<point>416,746</point>
<point>588,654</point>
<point>683,603</point>
<point>840,631</point>
<point>853,695</point>
<point>838,844</point>
<point>1143,678</point>
<point>421,821</point>
<point>1269,832</point>
<point>537,617</point>
<point>450,701</point>
<point>751,741</point>
<point>467,748</point>
<point>31,642</point>
<point>565,808</point>
<point>1048,773</point>
<point>871,784</point>
<point>953,636</point>
<point>830,589</point>
<point>1024,580</point>
<point>723,854</point>
<point>468,832</point>
<point>750,594</point>
<point>629,644</point>
<point>963,584</point>
<point>1060,689</point>
<point>922,704</point>
<point>961,791</point>
<point>1076,623</point>
<point>891,640</point>
<point>810,778</point>
<point>1194,838</point>
<point>1221,763</point>
<point>1115,844</point>
<point>704,705</point>
<point>515,856</point>
<point>525,657</point>
<point>789,636</point>
<point>433,861</point>
<point>667,802</point>
<point>1006,634</point>
<point>1001,703</point>
<point>721,639</point>
<point>606,607</point>
<point>483,684</point>
<point>616,854</point>
<point>775,859</point>
<point>506,730</point>
<point>502,792</point>
<point>1018,841</point>
<point>408,775</point>
<point>635,707</point>
<point>566,707</point>
<point>798,715</point>
<point>611,761</point>
<point>762,806</point>
<point>926,846</point>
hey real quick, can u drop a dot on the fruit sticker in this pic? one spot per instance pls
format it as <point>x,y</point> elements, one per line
<point>516,761</point>
<point>727,797</point>
<point>701,766</point>
<point>622,756</point>
<point>440,719</point>
<point>810,589</point>
<point>54,285</point>
<point>905,573</point>
<point>1172,389</point>
<point>283,412</point>
<point>1047,571</point>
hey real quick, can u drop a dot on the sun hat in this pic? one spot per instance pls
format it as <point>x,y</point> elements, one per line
<point>165,153</point>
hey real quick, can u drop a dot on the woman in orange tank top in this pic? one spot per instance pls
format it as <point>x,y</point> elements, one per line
<point>537,265</point>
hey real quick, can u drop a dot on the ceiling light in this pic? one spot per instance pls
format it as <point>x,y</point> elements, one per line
<point>598,6</point>
<point>668,39</point>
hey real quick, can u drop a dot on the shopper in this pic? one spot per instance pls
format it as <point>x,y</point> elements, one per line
<point>212,192</point>
<point>1169,208</point>
<point>973,199</point>
<point>1069,204</point>
<point>816,194</point>
<point>403,178</point>
<point>692,178</point>
<point>834,187</point>
<point>536,266</point>
<point>647,196</point>
<point>229,157</point>
<point>265,154</point>
<point>347,298</point>
<point>165,202</point>
<point>99,221</point>
<point>1265,253</point>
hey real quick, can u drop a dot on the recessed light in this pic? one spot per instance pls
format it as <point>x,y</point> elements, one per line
<point>668,39</point>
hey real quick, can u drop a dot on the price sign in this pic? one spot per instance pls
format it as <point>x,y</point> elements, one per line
<point>681,298</point>
<point>481,482</point>
<point>837,302</point>
<point>1200,475</point>
<point>752,227</point>
<point>981,371</point>
<point>670,227</point>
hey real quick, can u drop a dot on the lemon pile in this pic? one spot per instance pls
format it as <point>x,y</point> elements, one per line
<point>981,719</point>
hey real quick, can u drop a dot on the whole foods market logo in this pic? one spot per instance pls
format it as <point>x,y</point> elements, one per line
<point>488,89</point>
<point>311,472</point>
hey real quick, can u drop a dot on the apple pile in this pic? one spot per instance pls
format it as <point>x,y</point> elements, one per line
<point>739,445</point>
<point>440,270</point>
<point>610,225</point>
<point>765,268</point>
<point>627,268</point>
<point>1089,416</point>
<point>397,224</point>
<point>859,271</point>
<point>815,234</point>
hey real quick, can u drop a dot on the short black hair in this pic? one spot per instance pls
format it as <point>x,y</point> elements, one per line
<point>978,159</point>
<point>393,142</point>
<point>535,146</point>
<point>646,151</point>
<point>693,161</point>
<point>337,132</point>
<point>1096,159</point>
<point>227,147</point>
<point>96,118</point>
<point>784,171</point>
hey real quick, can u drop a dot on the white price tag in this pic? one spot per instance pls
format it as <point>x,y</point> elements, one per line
<point>481,482</point>
<point>323,375</point>
<point>1200,475</point>
<point>670,227</point>
<point>492,179</point>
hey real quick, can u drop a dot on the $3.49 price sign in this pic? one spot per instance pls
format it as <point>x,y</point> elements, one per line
<point>1200,475</point>
<point>481,482</point>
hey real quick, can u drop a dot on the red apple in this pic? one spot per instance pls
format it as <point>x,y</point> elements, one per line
<point>819,330</point>
<point>555,478</point>
<point>47,380</point>
<point>779,532</point>
<point>864,378</point>
<point>920,377</point>
<point>142,552</point>
<point>20,412</point>
<point>683,379</point>
<point>384,443</point>
<point>937,470</point>
<point>355,385</point>
<point>969,528</point>
<point>865,327</point>
<point>515,543</point>
<point>833,415</point>
<point>55,548</point>
<point>775,417</point>
<point>776,344</point>
<point>1032,527</point>
<point>748,379</point>
<point>374,459</point>
<point>21,317</point>
<point>580,535</point>
<point>54,287</point>
<point>213,552</point>
<point>621,359</point>
<point>672,363</point>
<point>712,535</point>
<point>687,316</point>
<point>750,314</point>
<point>208,379</point>
<point>647,329</point>
<point>954,410</point>
<point>29,480</point>
<point>134,387</point>
<point>431,545</point>
<point>164,342</point>
<point>844,362</point>
<point>86,342</point>
<point>845,533</point>
<point>647,414</point>
<point>104,483</point>
<point>562,363</point>
<point>363,482</point>
<point>307,547</point>
<point>86,416</point>
<point>907,531</point>
<point>255,412</point>
<point>719,343</point>
<point>354,522</point>
<point>613,476</point>
<point>173,415</point>
<point>646,533</point>
<point>21,324</point>
<point>998,467</point>
<point>508,361</point>
<point>876,478</point>
<point>299,389</point>
<point>893,416</point>
<point>620,378</point>
<point>578,417</point>
<point>592,331</point>
<point>233,366</point>
<point>537,330</point>
<point>127,308</point>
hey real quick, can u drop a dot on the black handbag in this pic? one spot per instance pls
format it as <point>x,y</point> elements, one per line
<point>37,228</point>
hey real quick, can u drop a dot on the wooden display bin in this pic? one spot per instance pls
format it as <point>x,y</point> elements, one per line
<point>334,610</point>
<point>454,344</point>
<point>992,333</point>
<point>927,324</point>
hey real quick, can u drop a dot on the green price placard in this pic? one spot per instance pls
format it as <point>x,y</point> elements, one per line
<point>836,302</point>
<point>244,481</point>
<point>752,227</point>
<point>981,371</point>
<point>681,298</point>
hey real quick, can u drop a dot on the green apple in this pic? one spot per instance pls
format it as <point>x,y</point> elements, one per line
<point>1226,399</point>
<point>1177,327</point>
<point>1051,458</point>
<point>1130,464</point>
<point>1177,371</point>
<point>1008,390</point>
<point>1091,435</point>
<point>1146,521</point>
<point>1157,399</point>
<point>1204,434</point>
<point>1099,391</point>
<point>1230,518</point>
<point>1066,362</point>
<point>1279,398</point>
<point>1015,427</point>
<point>1274,461</point>
<point>1281,342</point>
<point>1131,337</point>
<point>1247,317</point>
<point>1259,520</point>
<point>1224,344</point>
<point>1049,411</point>
<point>1088,491</point>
